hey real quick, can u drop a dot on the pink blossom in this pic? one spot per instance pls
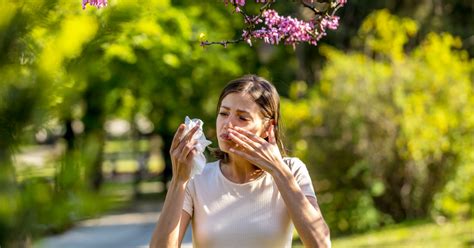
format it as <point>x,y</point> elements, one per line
<point>341,2</point>
<point>242,2</point>
<point>288,30</point>
<point>331,22</point>
<point>237,2</point>
<point>272,28</point>
<point>97,3</point>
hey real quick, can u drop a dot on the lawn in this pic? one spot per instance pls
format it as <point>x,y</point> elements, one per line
<point>450,234</point>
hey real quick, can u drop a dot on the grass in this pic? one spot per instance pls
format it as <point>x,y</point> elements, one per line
<point>424,234</point>
<point>410,234</point>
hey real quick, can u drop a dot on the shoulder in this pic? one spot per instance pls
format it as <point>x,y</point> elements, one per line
<point>211,166</point>
<point>294,163</point>
<point>301,174</point>
<point>297,167</point>
<point>204,181</point>
<point>209,170</point>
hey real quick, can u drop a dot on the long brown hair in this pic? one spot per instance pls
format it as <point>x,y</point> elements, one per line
<point>265,95</point>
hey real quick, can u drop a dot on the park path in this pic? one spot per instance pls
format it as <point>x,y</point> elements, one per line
<point>132,228</point>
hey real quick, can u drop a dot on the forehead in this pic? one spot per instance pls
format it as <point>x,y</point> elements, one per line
<point>240,102</point>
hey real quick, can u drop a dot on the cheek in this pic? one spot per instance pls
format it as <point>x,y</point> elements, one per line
<point>218,124</point>
<point>254,128</point>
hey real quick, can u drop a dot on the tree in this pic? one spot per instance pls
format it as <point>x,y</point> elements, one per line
<point>65,65</point>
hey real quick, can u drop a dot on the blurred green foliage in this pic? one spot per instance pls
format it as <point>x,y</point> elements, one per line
<point>387,129</point>
<point>383,120</point>
<point>63,65</point>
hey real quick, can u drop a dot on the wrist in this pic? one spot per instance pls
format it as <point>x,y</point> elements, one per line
<point>177,183</point>
<point>281,171</point>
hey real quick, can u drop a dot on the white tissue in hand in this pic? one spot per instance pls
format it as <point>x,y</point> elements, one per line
<point>199,160</point>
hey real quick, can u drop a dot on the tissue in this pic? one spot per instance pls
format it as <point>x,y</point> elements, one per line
<point>199,160</point>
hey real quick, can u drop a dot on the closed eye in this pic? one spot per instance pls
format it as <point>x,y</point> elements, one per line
<point>223,114</point>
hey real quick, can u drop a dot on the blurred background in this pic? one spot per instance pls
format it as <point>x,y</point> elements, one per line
<point>381,111</point>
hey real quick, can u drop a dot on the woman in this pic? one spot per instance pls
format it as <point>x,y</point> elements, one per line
<point>251,196</point>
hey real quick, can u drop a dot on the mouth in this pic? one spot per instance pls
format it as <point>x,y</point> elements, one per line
<point>225,137</point>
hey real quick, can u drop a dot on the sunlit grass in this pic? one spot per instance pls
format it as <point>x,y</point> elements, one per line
<point>450,234</point>
<point>412,235</point>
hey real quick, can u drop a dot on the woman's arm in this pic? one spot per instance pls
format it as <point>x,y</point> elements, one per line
<point>173,220</point>
<point>304,211</point>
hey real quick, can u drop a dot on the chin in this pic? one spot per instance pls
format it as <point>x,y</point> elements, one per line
<point>224,146</point>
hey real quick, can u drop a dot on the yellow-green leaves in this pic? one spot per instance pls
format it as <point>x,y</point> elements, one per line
<point>387,34</point>
<point>122,52</point>
<point>388,126</point>
<point>7,11</point>
<point>75,32</point>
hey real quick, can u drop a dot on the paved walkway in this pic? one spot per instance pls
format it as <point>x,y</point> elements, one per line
<point>131,229</point>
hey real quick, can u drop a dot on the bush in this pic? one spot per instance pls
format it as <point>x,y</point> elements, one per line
<point>386,129</point>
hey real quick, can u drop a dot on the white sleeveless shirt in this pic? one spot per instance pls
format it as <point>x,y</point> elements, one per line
<point>253,214</point>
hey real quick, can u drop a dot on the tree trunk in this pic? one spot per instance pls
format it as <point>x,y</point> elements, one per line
<point>94,133</point>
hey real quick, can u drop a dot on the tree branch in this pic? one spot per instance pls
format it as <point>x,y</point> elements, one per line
<point>311,7</point>
<point>223,43</point>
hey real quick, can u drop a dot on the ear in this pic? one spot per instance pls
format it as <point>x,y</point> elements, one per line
<point>271,136</point>
<point>268,128</point>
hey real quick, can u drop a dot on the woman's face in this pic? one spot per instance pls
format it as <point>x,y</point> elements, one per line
<point>238,110</point>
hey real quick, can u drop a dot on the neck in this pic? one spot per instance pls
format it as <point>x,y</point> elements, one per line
<point>239,170</point>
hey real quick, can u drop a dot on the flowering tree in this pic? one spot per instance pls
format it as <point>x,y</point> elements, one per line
<point>273,28</point>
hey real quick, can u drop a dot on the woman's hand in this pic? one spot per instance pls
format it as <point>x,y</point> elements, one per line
<point>258,151</point>
<point>182,152</point>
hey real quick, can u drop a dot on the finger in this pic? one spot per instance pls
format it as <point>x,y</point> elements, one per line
<point>243,138</point>
<point>191,154</point>
<point>185,140</point>
<point>177,136</point>
<point>191,133</point>
<point>250,135</point>
<point>242,154</point>
<point>271,134</point>
<point>240,142</point>
<point>187,149</point>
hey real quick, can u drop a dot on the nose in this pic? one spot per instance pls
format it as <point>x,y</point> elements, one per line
<point>229,122</point>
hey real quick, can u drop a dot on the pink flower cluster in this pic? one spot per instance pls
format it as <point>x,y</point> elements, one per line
<point>277,28</point>
<point>273,29</point>
<point>290,30</point>
<point>242,2</point>
<point>331,22</point>
<point>97,3</point>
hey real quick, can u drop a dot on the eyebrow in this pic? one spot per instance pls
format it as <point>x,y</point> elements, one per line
<point>238,110</point>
